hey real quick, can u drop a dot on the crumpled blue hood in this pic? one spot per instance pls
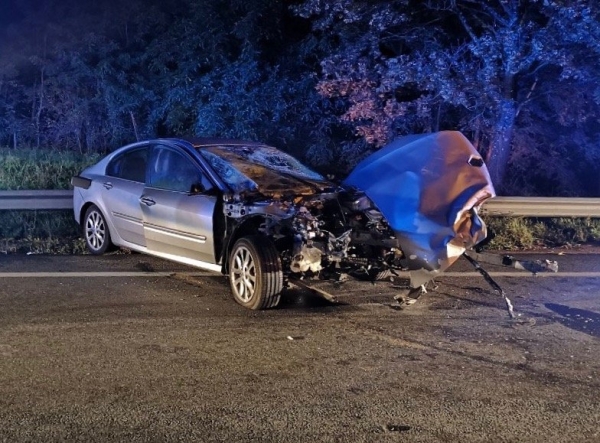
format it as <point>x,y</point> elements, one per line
<point>429,188</point>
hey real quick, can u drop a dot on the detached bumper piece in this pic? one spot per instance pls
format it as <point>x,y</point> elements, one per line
<point>534,267</point>
<point>317,291</point>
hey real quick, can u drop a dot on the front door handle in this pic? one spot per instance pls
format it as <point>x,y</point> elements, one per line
<point>108,185</point>
<point>147,201</point>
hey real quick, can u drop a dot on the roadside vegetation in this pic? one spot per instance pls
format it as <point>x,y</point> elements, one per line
<point>515,233</point>
<point>40,231</point>
<point>40,168</point>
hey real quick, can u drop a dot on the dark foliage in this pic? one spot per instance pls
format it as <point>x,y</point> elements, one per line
<point>329,81</point>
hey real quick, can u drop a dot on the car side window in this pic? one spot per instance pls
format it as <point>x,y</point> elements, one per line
<point>130,165</point>
<point>173,171</point>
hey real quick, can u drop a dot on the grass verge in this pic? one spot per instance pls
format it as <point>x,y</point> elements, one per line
<point>40,232</point>
<point>40,169</point>
<point>513,233</point>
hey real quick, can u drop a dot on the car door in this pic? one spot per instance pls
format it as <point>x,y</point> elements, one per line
<point>122,189</point>
<point>178,205</point>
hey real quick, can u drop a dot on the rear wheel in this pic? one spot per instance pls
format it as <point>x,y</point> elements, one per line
<point>95,231</point>
<point>255,273</point>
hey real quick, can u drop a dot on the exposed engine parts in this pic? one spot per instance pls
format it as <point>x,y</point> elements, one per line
<point>306,258</point>
<point>319,229</point>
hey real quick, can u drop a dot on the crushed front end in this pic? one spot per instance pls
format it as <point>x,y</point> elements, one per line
<point>323,235</point>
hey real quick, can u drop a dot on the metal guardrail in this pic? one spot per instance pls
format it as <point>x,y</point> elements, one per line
<point>543,207</point>
<point>30,200</point>
<point>499,206</point>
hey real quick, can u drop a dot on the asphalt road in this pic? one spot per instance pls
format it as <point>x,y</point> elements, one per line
<point>149,357</point>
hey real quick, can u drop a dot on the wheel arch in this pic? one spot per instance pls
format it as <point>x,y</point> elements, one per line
<point>247,226</point>
<point>116,240</point>
<point>83,210</point>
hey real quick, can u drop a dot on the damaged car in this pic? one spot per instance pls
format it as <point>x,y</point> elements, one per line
<point>259,216</point>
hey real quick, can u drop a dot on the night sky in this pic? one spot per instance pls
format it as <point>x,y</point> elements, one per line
<point>10,12</point>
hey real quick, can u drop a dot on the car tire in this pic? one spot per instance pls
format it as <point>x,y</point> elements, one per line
<point>255,273</point>
<point>95,231</point>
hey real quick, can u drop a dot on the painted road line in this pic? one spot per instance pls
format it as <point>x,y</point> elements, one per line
<point>102,274</point>
<point>582,274</point>
<point>516,274</point>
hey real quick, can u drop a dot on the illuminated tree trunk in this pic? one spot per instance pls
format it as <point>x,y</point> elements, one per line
<point>501,143</point>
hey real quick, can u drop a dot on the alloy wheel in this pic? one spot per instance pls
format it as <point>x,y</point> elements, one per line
<point>95,230</point>
<point>243,274</point>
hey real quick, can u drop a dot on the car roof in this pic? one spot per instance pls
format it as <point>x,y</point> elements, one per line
<point>201,142</point>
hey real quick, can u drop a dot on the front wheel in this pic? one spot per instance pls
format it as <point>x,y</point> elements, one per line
<point>95,231</point>
<point>255,273</point>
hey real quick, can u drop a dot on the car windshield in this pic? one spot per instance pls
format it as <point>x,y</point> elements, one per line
<point>252,168</point>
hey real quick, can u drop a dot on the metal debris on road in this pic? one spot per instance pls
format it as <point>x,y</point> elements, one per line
<point>320,292</point>
<point>488,278</point>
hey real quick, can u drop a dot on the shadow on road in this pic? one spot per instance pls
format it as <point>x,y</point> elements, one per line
<point>580,320</point>
<point>302,299</point>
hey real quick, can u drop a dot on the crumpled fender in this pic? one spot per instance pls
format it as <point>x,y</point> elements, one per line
<point>429,188</point>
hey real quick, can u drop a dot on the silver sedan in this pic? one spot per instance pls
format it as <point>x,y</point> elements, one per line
<point>261,217</point>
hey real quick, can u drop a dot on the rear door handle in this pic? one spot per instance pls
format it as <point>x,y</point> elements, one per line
<point>108,185</point>
<point>147,201</point>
